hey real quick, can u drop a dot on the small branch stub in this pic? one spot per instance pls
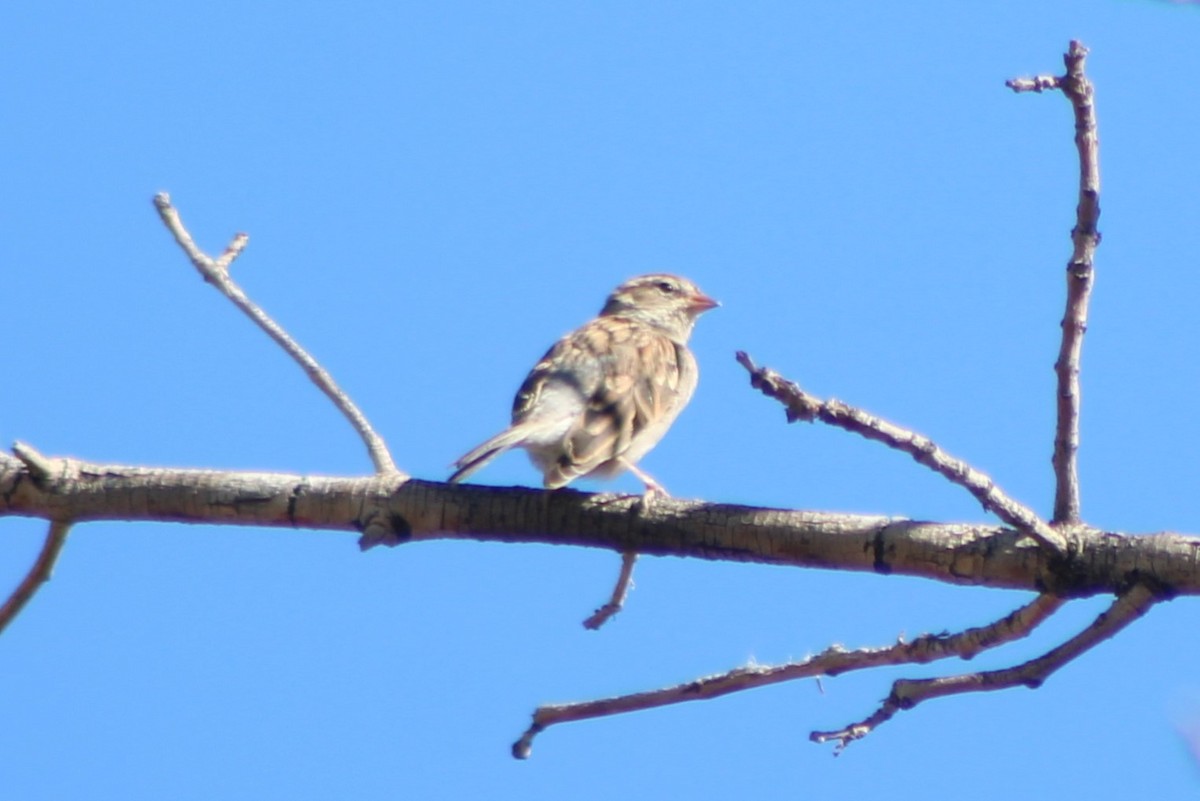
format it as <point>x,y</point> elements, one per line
<point>40,468</point>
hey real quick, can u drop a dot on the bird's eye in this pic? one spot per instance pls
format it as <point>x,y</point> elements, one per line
<point>666,286</point>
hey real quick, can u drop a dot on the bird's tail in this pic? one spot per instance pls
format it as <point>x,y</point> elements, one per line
<point>482,454</point>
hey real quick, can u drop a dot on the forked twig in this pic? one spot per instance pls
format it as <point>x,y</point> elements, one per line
<point>907,693</point>
<point>831,662</point>
<point>802,406</point>
<point>216,272</point>
<point>1080,273</point>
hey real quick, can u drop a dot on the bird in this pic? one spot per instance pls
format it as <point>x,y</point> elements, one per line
<point>606,393</point>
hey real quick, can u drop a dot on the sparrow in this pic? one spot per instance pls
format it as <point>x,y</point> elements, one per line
<point>607,392</point>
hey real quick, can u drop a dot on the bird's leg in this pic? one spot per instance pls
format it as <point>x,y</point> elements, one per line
<point>652,487</point>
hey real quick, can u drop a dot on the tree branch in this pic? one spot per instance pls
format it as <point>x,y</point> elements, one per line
<point>832,661</point>
<point>907,693</point>
<point>955,553</point>
<point>389,508</point>
<point>39,573</point>
<point>620,590</point>
<point>1080,274</point>
<point>216,272</point>
<point>802,406</point>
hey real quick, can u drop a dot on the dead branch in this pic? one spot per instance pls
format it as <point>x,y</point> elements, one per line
<point>216,272</point>
<point>832,661</point>
<point>802,406</point>
<point>907,693</point>
<point>620,590</point>
<point>1085,236</point>
<point>39,573</point>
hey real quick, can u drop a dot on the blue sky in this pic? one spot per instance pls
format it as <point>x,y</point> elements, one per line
<point>434,193</point>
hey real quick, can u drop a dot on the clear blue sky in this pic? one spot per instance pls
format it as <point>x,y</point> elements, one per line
<point>434,192</point>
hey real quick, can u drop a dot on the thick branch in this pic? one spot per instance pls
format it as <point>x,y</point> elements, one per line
<point>907,693</point>
<point>832,661</point>
<point>957,553</point>
<point>1080,274</point>
<point>216,272</point>
<point>802,406</point>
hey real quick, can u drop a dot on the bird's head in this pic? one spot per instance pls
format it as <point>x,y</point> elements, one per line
<point>668,302</point>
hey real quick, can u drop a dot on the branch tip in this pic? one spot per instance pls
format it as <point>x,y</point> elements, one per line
<point>617,601</point>
<point>232,251</point>
<point>523,747</point>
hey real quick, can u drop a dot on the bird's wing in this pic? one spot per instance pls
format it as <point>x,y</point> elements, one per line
<point>626,377</point>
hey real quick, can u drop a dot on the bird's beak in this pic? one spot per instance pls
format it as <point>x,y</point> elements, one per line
<point>700,303</point>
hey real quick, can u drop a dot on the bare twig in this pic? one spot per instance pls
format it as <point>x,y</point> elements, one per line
<point>831,662</point>
<point>907,693</point>
<point>39,573</point>
<point>1038,83</point>
<point>216,272</point>
<point>802,406</point>
<point>1080,273</point>
<point>620,590</point>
